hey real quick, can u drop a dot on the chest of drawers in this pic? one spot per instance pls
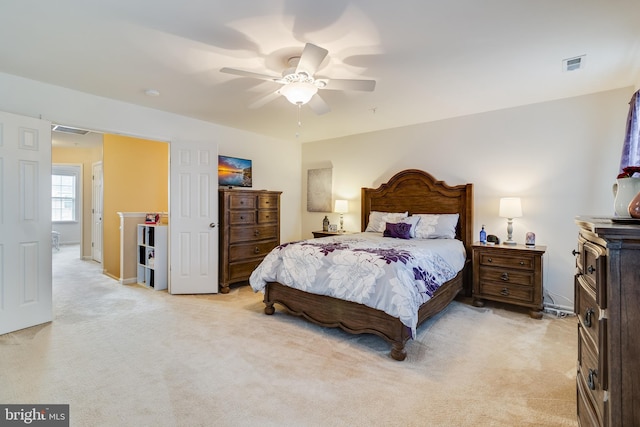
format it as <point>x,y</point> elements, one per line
<point>510,274</point>
<point>249,229</point>
<point>607,305</point>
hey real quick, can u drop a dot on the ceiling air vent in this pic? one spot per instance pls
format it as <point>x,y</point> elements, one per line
<point>573,64</point>
<point>67,129</point>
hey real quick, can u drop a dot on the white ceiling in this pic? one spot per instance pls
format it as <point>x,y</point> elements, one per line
<point>432,59</point>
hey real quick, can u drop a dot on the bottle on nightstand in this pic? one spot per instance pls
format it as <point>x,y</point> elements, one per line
<point>483,235</point>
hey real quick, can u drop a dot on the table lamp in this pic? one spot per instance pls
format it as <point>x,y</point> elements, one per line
<point>342,207</point>
<point>510,207</point>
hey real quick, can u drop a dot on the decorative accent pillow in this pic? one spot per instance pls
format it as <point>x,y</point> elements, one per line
<point>413,222</point>
<point>436,226</point>
<point>398,230</point>
<point>377,220</point>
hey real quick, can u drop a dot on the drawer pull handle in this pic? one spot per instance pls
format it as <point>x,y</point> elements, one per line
<point>521,262</point>
<point>591,269</point>
<point>256,233</point>
<point>505,277</point>
<point>504,292</point>
<point>241,217</point>
<point>591,382</point>
<point>256,250</point>
<point>588,315</point>
<point>489,260</point>
<point>574,252</point>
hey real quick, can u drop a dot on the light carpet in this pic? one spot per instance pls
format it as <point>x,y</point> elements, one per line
<point>127,355</point>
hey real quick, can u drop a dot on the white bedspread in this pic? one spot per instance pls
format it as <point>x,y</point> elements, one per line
<point>393,275</point>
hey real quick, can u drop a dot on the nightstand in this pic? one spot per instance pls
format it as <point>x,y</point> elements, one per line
<point>508,273</point>
<point>317,234</point>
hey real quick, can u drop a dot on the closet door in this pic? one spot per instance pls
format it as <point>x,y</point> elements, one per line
<point>193,218</point>
<point>25,222</point>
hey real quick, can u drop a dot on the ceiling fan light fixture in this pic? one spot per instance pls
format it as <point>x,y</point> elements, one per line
<point>298,93</point>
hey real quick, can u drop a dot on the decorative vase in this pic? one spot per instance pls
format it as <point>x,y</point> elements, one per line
<point>634,207</point>
<point>624,190</point>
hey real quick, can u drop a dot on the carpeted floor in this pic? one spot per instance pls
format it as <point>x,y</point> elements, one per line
<point>127,355</point>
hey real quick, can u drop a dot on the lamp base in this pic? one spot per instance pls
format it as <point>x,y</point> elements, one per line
<point>509,242</point>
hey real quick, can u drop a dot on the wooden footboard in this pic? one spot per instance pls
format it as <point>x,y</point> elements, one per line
<point>357,318</point>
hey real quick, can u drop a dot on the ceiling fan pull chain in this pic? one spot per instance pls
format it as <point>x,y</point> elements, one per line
<point>299,108</point>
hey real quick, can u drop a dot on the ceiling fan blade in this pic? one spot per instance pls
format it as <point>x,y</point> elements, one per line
<point>318,105</point>
<point>265,99</point>
<point>348,84</point>
<point>251,74</point>
<point>311,58</point>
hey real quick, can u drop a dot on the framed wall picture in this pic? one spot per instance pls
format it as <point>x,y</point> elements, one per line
<point>319,190</point>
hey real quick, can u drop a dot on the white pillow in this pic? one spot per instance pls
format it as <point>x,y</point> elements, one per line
<point>413,222</point>
<point>434,226</point>
<point>378,220</point>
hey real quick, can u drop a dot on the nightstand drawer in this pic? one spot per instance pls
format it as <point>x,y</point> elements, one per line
<point>523,261</point>
<point>507,292</point>
<point>500,275</point>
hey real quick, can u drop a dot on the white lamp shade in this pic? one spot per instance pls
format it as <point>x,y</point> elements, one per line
<point>510,207</point>
<point>341,206</point>
<point>298,93</point>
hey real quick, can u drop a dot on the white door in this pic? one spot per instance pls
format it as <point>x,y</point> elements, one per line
<point>25,222</point>
<point>96,212</point>
<point>193,218</point>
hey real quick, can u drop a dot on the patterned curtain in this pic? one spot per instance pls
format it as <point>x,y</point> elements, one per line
<point>631,147</point>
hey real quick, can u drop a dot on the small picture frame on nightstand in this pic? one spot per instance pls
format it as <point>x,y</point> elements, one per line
<point>333,228</point>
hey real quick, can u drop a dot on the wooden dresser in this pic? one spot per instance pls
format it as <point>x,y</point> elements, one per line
<point>607,304</point>
<point>249,229</point>
<point>510,274</point>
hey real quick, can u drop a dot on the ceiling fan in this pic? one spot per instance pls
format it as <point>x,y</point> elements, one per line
<point>299,85</point>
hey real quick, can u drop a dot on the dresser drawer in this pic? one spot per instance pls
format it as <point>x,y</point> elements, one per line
<point>242,201</point>
<point>587,416</point>
<point>249,250</point>
<point>267,217</point>
<point>591,372</point>
<point>516,277</point>
<point>595,271</point>
<point>242,270</point>
<point>242,217</point>
<point>587,310</point>
<point>507,292</point>
<point>268,201</point>
<point>580,254</point>
<point>521,261</point>
<point>244,234</point>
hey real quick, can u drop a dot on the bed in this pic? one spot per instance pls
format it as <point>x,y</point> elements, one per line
<point>412,191</point>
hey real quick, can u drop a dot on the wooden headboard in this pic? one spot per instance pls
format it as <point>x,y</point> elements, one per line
<point>417,191</point>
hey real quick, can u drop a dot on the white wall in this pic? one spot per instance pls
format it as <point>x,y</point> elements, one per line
<point>560,157</point>
<point>274,172</point>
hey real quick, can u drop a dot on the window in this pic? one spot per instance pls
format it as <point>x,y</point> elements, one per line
<point>64,193</point>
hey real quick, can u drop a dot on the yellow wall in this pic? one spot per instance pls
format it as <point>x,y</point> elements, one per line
<point>86,157</point>
<point>136,179</point>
